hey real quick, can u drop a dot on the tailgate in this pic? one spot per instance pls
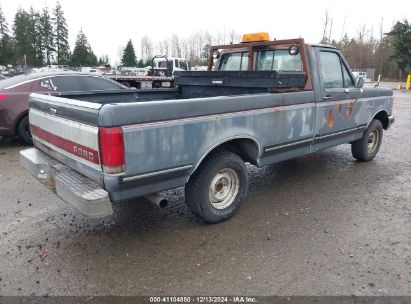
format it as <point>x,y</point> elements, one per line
<point>66,128</point>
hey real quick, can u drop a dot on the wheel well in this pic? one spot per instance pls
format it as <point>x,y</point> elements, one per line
<point>383,118</point>
<point>246,148</point>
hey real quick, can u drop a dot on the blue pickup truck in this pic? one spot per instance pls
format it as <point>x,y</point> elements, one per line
<point>260,102</point>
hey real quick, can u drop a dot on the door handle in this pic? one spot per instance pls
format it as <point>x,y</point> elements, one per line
<point>328,97</point>
<point>348,91</point>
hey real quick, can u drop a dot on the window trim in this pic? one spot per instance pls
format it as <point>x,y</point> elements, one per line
<point>241,62</point>
<point>344,66</point>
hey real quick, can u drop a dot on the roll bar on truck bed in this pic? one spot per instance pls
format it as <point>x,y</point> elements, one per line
<point>252,42</point>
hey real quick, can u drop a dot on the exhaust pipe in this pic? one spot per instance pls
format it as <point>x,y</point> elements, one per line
<point>157,200</point>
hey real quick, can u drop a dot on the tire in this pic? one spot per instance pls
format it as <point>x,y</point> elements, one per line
<point>23,130</point>
<point>226,174</point>
<point>366,148</point>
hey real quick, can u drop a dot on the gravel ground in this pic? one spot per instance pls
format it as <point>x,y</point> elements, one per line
<point>322,224</point>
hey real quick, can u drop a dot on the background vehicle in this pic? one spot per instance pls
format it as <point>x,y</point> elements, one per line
<point>360,74</point>
<point>160,75</point>
<point>91,70</point>
<point>14,93</point>
<point>290,99</point>
<point>170,64</point>
<point>143,81</point>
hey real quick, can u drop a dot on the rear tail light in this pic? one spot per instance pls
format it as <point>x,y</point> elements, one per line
<point>3,97</point>
<point>112,150</point>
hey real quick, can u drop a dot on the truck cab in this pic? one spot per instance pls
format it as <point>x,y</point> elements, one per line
<point>166,66</point>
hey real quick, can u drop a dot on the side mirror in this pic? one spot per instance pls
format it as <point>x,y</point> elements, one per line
<point>359,82</point>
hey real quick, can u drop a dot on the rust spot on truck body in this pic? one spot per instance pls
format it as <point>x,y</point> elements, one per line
<point>350,110</point>
<point>330,119</point>
<point>339,109</point>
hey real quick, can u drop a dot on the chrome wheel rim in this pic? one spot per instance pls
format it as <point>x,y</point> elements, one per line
<point>373,139</point>
<point>224,188</point>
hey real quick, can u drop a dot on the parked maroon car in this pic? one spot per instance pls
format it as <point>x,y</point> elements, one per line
<point>14,92</point>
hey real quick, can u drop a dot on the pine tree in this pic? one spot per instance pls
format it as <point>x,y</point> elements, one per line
<point>47,35</point>
<point>35,37</point>
<point>7,52</point>
<point>129,56</point>
<point>23,34</point>
<point>4,27</point>
<point>205,54</point>
<point>103,60</point>
<point>82,54</point>
<point>27,38</point>
<point>61,44</point>
<point>400,38</point>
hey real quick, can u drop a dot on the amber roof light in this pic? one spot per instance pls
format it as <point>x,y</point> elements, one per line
<point>253,37</point>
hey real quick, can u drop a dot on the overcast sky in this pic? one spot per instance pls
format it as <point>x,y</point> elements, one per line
<point>109,24</point>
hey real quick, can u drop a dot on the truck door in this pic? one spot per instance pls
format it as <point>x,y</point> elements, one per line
<point>338,98</point>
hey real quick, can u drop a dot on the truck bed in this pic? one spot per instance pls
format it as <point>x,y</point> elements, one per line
<point>110,109</point>
<point>228,91</point>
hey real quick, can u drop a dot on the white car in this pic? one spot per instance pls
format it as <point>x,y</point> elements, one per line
<point>360,74</point>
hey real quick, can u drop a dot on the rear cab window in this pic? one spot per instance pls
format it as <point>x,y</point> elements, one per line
<point>234,62</point>
<point>278,60</point>
<point>264,60</point>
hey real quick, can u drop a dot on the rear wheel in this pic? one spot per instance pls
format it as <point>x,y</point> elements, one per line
<point>23,130</point>
<point>367,147</point>
<point>215,191</point>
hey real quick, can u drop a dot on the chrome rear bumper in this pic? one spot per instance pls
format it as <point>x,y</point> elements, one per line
<point>75,189</point>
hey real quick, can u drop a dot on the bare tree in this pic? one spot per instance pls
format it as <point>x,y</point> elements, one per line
<point>185,48</point>
<point>342,29</point>
<point>208,38</point>
<point>175,46</point>
<point>219,37</point>
<point>331,28</point>
<point>233,37</point>
<point>381,47</point>
<point>163,47</point>
<point>146,48</point>
<point>326,22</point>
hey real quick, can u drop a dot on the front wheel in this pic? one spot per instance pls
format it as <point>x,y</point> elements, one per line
<point>215,191</point>
<point>366,148</point>
<point>23,130</point>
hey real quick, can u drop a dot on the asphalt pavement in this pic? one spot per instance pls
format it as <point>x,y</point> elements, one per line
<point>323,224</point>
